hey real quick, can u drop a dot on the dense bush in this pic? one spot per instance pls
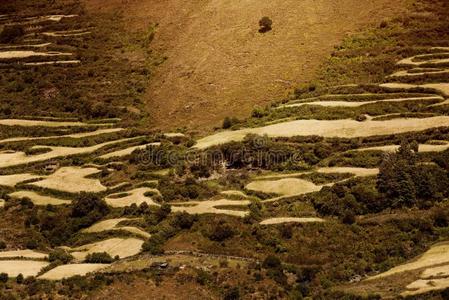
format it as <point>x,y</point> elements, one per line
<point>11,33</point>
<point>99,258</point>
<point>221,231</point>
<point>60,255</point>
<point>265,24</point>
<point>154,244</point>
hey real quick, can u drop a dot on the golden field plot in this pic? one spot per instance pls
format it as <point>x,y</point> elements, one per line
<point>436,255</point>
<point>127,151</point>
<point>212,207</point>
<point>284,187</point>
<point>13,180</point>
<point>25,267</point>
<point>56,62</point>
<point>422,148</point>
<point>38,199</point>
<point>26,46</point>
<point>30,254</point>
<point>438,87</point>
<point>361,103</point>
<point>135,196</point>
<point>114,247</point>
<point>420,60</point>
<point>422,286</point>
<point>72,180</point>
<point>328,128</point>
<point>113,224</point>
<point>66,33</point>
<point>67,271</point>
<point>2,203</point>
<point>11,158</point>
<point>74,135</point>
<point>29,53</point>
<point>273,221</point>
<point>42,123</point>
<point>418,72</point>
<point>234,193</point>
<point>359,172</point>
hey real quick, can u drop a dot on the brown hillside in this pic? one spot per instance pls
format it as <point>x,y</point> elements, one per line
<point>218,64</point>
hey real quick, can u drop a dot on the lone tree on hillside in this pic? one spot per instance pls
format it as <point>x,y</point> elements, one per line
<point>265,24</point>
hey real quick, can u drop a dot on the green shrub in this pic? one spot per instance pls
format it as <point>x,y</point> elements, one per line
<point>60,255</point>
<point>19,278</point>
<point>154,245</point>
<point>11,33</point>
<point>221,232</point>
<point>99,258</point>
<point>272,262</point>
<point>183,220</point>
<point>2,245</point>
<point>4,277</point>
<point>232,293</point>
<point>265,24</point>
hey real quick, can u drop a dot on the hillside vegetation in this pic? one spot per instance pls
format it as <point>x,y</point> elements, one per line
<point>338,191</point>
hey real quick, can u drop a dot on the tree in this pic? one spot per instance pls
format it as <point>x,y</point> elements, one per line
<point>265,24</point>
<point>4,277</point>
<point>88,204</point>
<point>396,177</point>
<point>60,255</point>
<point>227,123</point>
<point>11,33</point>
<point>99,258</point>
<point>19,278</point>
<point>272,262</point>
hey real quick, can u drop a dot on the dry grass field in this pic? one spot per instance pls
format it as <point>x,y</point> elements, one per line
<point>216,64</point>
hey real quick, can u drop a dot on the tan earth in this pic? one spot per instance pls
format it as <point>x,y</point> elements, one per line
<point>285,187</point>
<point>23,254</point>
<point>57,62</point>
<point>113,224</point>
<point>38,199</point>
<point>360,172</point>
<point>26,46</point>
<point>211,207</point>
<point>127,151</point>
<point>75,135</point>
<point>25,267</point>
<point>9,159</point>
<point>115,246</point>
<point>136,196</point>
<point>437,254</point>
<point>235,193</point>
<point>273,221</point>
<point>13,180</point>
<point>361,103</point>
<point>422,148</point>
<point>66,33</point>
<point>26,54</point>
<point>67,271</point>
<point>417,74</point>
<point>439,87</point>
<point>27,123</point>
<point>327,128</point>
<point>411,61</point>
<point>72,180</point>
<point>218,64</point>
<point>422,286</point>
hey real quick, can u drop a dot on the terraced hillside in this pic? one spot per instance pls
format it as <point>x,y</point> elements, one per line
<point>337,192</point>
